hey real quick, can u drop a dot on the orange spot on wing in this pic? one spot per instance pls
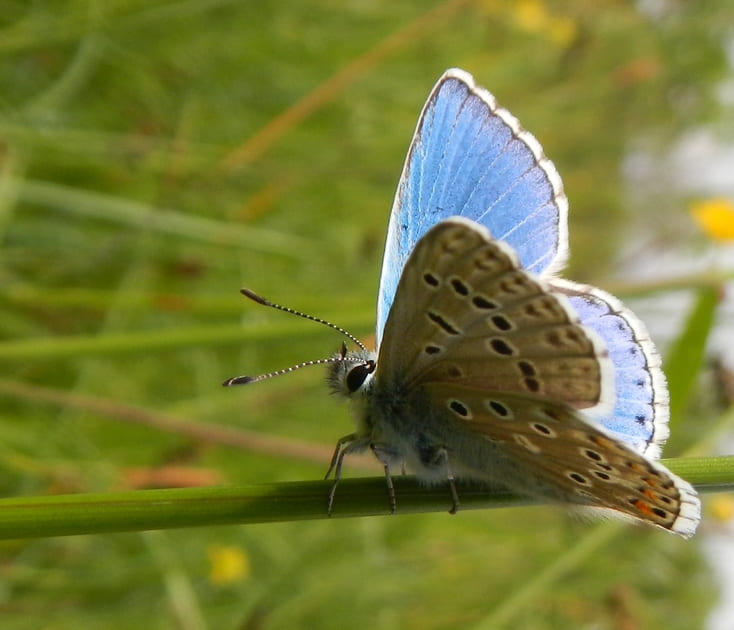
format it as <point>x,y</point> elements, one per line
<point>643,507</point>
<point>649,494</point>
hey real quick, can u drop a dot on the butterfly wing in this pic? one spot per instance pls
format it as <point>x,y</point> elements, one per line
<point>471,158</point>
<point>547,449</point>
<point>466,312</point>
<point>493,365</point>
<point>640,414</point>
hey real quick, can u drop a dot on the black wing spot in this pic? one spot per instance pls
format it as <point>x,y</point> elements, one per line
<point>502,347</point>
<point>459,287</point>
<point>578,478</point>
<point>430,279</point>
<point>482,302</point>
<point>501,323</point>
<point>445,326</point>
<point>459,408</point>
<point>542,429</point>
<point>526,368</point>
<point>499,409</point>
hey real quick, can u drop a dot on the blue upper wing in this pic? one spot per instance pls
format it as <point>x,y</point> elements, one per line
<point>469,157</point>
<point>640,414</point>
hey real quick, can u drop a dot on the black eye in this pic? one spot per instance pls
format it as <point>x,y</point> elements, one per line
<point>357,375</point>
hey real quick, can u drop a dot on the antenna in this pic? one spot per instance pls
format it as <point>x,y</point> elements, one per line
<point>342,356</point>
<point>246,380</point>
<point>265,302</point>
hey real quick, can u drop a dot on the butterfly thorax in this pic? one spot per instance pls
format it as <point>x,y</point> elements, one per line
<point>403,432</point>
<point>379,409</point>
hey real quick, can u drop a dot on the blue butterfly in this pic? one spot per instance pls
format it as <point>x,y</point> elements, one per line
<point>489,367</point>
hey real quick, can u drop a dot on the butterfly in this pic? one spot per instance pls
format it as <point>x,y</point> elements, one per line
<point>489,367</point>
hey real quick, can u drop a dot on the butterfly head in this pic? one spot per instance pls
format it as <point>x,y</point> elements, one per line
<point>352,372</point>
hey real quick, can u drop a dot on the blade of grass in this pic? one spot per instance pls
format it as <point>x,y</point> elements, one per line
<point>684,361</point>
<point>117,343</point>
<point>144,216</point>
<point>95,513</point>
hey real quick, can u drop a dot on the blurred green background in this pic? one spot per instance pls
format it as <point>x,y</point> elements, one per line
<point>157,156</point>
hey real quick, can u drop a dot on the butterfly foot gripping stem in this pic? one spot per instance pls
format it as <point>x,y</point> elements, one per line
<point>383,454</point>
<point>454,496</point>
<point>390,491</point>
<point>335,465</point>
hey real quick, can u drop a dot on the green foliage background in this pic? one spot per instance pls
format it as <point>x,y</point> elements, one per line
<point>156,156</point>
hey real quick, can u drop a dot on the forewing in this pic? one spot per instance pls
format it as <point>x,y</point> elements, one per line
<point>466,313</point>
<point>471,158</point>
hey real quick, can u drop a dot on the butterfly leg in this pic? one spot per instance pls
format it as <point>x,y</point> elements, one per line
<point>348,444</point>
<point>454,495</point>
<point>385,455</point>
<point>339,452</point>
<point>443,457</point>
<point>437,457</point>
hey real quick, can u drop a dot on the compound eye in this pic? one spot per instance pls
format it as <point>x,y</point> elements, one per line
<point>358,374</point>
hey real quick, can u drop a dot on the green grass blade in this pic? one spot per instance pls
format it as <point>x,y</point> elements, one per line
<point>35,517</point>
<point>686,357</point>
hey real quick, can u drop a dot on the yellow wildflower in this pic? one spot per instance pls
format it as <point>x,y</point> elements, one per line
<point>229,564</point>
<point>716,218</point>
<point>721,507</point>
<point>531,15</point>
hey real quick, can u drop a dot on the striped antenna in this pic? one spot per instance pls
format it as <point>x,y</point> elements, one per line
<point>342,356</point>
<point>265,302</point>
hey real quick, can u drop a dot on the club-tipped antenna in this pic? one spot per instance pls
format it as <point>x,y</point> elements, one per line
<point>245,380</point>
<point>342,356</point>
<point>265,302</point>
